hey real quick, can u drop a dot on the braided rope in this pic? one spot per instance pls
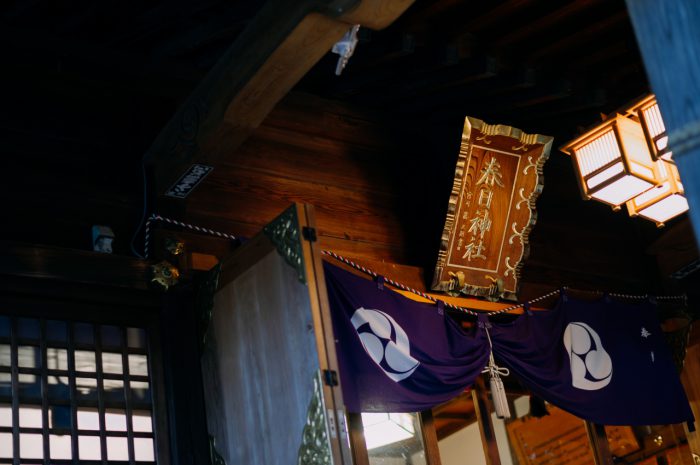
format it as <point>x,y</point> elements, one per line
<point>618,295</point>
<point>193,227</point>
<point>433,299</point>
<point>396,284</point>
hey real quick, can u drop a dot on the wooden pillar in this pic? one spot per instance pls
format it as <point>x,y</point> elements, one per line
<point>430,441</point>
<point>599,443</point>
<point>357,439</point>
<point>668,34</point>
<point>690,377</point>
<point>482,406</point>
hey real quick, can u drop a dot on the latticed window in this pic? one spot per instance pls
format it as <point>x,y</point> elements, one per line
<point>73,392</point>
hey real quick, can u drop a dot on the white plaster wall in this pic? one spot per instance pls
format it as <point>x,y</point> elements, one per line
<point>499,428</point>
<point>463,447</point>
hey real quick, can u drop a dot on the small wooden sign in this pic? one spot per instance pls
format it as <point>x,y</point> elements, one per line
<point>491,210</point>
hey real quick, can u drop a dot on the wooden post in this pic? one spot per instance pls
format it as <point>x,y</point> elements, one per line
<point>599,443</point>
<point>482,406</point>
<point>690,377</point>
<point>668,34</point>
<point>430,441</point>
<point>357,439</point>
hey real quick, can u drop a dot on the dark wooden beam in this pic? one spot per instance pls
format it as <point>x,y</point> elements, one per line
<point>523,94</point>
<point>572,107</point>
<point>466,72</point>
<point>617,52</point>
<point>541,24</point>
<point>499,86</point>
<point>74,266</point>
<point>281,43</point>
<point>370,55</point>
<point>577,37</point>
<point>553,91</point>
<point>455,416</point>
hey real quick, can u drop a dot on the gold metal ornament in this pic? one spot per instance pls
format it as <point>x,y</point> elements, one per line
<point>174,246</point>
<point>284,233</point>
<point>164,274</point>
<point>315,448</point>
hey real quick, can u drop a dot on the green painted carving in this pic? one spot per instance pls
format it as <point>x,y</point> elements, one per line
<point>214,457</point>
<point>315,448</point>
<point>284,233</point>
<point>206,285</point>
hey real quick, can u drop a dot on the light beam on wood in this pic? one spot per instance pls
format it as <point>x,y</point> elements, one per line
<point>281,43</point>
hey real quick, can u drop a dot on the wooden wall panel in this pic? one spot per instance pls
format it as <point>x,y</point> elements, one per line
<point>380,186</point>
<point>259,364</point>
<point>257,198</point>
<point>302,156</point>
<point>302,113</point>
<point>328,156</point>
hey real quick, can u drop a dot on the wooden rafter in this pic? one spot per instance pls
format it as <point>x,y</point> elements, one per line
<point>277,48</point>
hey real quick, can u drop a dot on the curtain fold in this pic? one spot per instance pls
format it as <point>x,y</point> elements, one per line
<point>395,354</point>
<point>603,361</point>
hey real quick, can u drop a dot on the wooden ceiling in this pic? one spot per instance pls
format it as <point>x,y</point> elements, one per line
<point>538,65</point>
<point>89,87</point>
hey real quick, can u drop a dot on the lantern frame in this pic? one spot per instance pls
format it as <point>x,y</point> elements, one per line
<point>669,191</point>
<point>649,114</point>
<point>626,158</point>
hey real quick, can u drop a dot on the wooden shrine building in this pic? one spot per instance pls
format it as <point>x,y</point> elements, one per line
<point>174,132</point>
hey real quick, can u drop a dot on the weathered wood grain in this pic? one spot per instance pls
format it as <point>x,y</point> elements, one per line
<point>300,155</point>
<point>75,266</point>
<point>257,198</point>
<point>557,438</point>
<point>377,204</point>
<point>259,364</point>
<point>282,42</point>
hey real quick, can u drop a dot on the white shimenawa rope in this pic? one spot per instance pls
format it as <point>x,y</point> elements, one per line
<point>155,217</point>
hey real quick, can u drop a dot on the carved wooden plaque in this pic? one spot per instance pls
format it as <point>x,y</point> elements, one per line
<point>556,439</point>
<point>491,210</point>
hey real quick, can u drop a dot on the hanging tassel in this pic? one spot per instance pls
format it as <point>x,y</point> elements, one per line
<point>498,391</point>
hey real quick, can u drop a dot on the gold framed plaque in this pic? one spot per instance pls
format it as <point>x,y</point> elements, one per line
<point>491,210</point>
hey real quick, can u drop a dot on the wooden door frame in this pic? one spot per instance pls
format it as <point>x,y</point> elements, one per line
<point>300,226</point>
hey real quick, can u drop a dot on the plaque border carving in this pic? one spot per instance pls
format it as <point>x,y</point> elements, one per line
<point>521,141</point>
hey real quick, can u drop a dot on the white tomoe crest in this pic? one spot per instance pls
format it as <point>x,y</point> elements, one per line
<point>591,365</point>
<point>385,342</point>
